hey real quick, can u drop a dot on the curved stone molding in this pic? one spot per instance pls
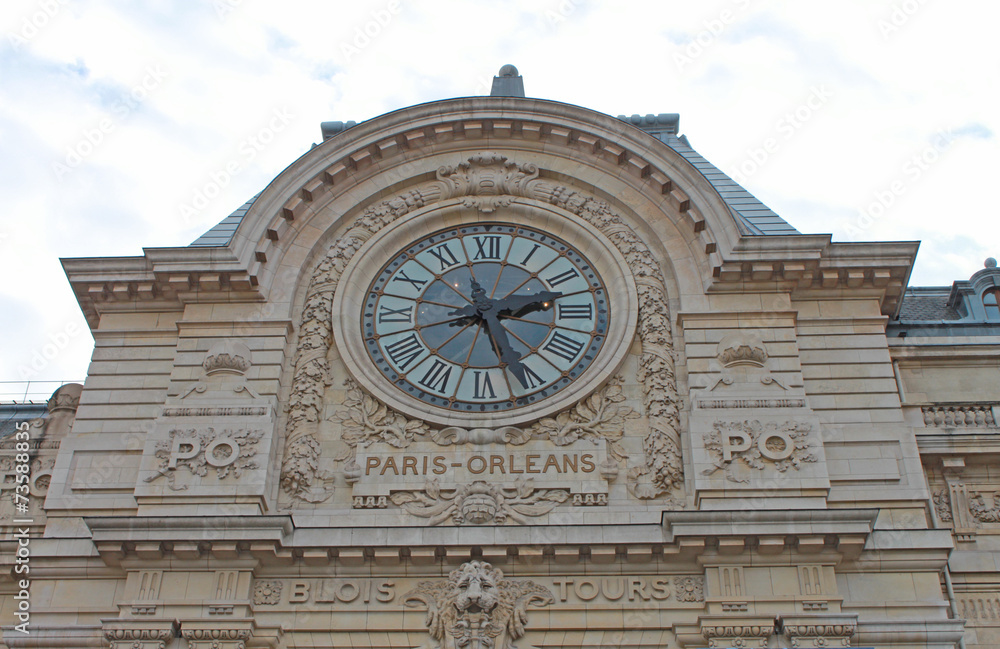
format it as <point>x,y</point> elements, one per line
<point>480,503</point>
<point>477,607</point>
<point>820,635</point>
<point>486,176</point>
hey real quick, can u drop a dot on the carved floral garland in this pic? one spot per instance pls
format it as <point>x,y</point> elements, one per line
<point>486,181</point>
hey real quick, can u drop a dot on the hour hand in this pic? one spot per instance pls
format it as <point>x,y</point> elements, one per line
<point>514,303</point>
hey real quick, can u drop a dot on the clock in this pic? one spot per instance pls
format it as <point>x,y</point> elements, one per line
<point>460,320</point>
<point>485,317</point>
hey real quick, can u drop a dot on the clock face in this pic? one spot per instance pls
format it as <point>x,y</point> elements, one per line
<point>486,317</point>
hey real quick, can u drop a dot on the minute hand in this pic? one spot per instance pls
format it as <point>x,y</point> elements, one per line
<point>514,303</point>
<point>499,337</point>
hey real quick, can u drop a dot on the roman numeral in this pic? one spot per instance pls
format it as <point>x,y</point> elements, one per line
<point>531,379</point>
<point>487,247</point>
<point>444,255</point>
<point>386,314</point>
<point>437,377</point>
<point>403,277</point>
<point>483,384</point>
<point>530,253</point>
<point>564,346</point>
<point>562,277</point>
<point>575,311</point>
<point>403,351</point>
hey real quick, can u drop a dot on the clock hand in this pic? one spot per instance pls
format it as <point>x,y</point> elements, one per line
<point>514,303</point>
<point>507,354</point>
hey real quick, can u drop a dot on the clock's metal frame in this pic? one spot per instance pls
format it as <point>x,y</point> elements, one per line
<point>540,318</point>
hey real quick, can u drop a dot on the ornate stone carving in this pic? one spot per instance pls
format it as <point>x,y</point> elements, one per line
<point>689,589</point>
<point>784,446</point>
<point>504,435</point>
<point>138,638</point>
<point>599,416</point>
<point>741,349</point>
<point>229,452</point>
<point>300,475</point>
<point>365,421</point>
<point>662,470</point>
<point>227,357</point>
<point>737,635</point>
<point>489,180</point>
<point>820,635</point>
<point>267,592</point>
<point>480,503</point>
<point>983,512</point>
<point>477,607</point>
<point>752,403</point>
<point>942,505</point>
<point>216,638</point>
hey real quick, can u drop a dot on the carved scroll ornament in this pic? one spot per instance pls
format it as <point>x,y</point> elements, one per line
<point>487,180</point>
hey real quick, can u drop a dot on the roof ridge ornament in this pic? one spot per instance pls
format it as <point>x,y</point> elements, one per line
<point>508,83</point>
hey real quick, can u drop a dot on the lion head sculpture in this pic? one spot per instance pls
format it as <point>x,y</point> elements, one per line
<point>475,585</point>
<point>477,602</point>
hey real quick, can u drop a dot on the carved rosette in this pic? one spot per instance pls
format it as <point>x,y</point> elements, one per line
<point>689,589</point>
<point>487,181</point>
<point>267,592</point>
<point>477,607</point>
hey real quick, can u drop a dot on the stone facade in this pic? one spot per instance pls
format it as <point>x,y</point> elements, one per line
<point>749,460</point>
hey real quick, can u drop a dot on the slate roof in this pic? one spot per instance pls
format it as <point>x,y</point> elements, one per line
<point>222,233</point>
<point>753,217</point>
<point>927,304</point>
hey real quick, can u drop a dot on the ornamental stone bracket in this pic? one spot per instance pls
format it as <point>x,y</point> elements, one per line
<point>138,634</point>
<point>213,443</point>
<point>230,634</point>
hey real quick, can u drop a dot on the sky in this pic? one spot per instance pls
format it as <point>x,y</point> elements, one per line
<point>121,121</point>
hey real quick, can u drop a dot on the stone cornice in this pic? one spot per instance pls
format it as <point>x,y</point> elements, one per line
<point>165,279</point>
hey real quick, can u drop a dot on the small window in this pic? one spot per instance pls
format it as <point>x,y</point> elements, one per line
<point>991,300</point>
